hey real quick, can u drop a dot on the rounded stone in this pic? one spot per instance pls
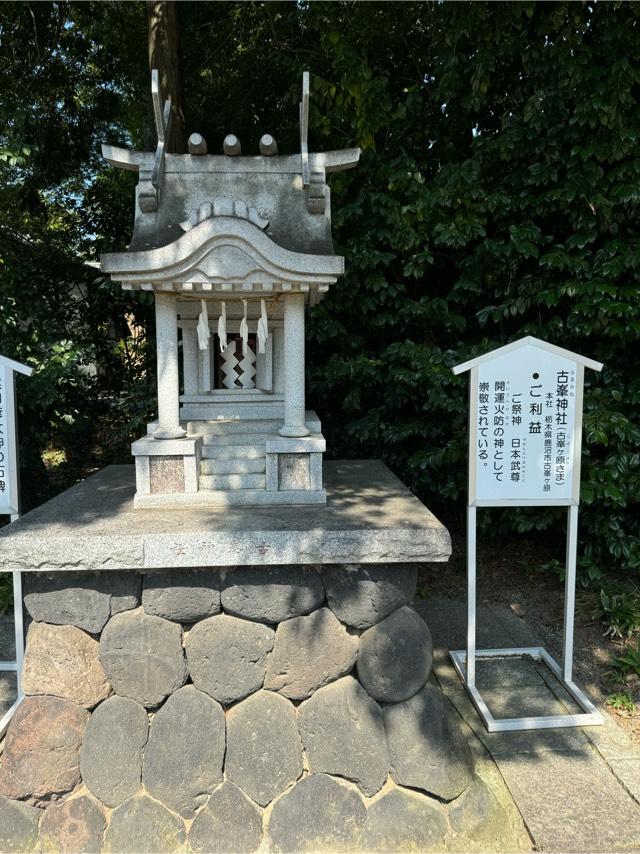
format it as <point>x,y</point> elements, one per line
<point>361,596</point>
<point>111,755</point>
<point>143,656</point>
<point>184,595</point>
<point>264,753</point>
<point>310,652</point>
<point>227,657</point>
<point>427,749</point>
<point>184,755</point>
<point>124,589</point>
<point>229,822</point>
<point>67,599</point>
<point>18,826</point>
<point>41,758</point>
<point>318,814</point>
<point>271,594</point>
<point>81,599</point>
<point>64,661</point>
<point>395,656</point>
<point>343,733</point>
<point>404,821</point>
<point>75,825</point>
<point>142,824</point>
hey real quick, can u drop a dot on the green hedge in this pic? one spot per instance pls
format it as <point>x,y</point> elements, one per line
<point>497,196</point>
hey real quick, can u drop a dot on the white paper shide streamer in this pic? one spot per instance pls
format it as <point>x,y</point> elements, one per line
<point>222,327</point>
<point>263,328</point>
<point>203,326</point>
<point>244,330</point>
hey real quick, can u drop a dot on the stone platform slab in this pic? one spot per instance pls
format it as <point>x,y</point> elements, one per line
<point>370,517</point>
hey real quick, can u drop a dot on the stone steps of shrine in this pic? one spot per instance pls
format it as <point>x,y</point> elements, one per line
<point>231,481</point>
<point>255,465</point>
<point>239,410</point>
<point>240,448</point>
<point>238,440</point>
<point>230,426</point>
<point>267,426</point>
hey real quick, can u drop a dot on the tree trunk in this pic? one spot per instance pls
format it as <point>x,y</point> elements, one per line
<point>165,55</point>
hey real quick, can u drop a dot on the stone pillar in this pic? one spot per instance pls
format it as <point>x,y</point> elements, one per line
<point>167,358</point>
<point>294,403</point>
<point>190,359</point>
<point>278,359</point>
<point>204,369</point>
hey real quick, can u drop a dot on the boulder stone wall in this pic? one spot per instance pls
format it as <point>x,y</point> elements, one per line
<point>281,708</point>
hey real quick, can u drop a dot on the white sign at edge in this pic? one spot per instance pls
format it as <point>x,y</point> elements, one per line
<point>9,497</point>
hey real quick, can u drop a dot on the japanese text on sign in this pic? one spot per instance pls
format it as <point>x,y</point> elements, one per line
<point>8,473</point>
<point>5,438</point>
<point>525,426</point>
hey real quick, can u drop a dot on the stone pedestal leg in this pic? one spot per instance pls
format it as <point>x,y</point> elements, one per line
<point>167,357</point>
<point>294,402</point>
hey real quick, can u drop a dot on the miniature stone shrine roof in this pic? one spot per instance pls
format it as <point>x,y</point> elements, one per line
<point>272,185</point>
<point>285,196</point>
<point>223,253</point>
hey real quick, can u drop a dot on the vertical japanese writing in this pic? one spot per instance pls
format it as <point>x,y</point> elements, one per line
<point>518,442</point>
<point>483,422</point>
<point>525,416</point>
<point>498,429</point>
<point>562,405</point>
<point>546,471</point>
<point>516,459</point>
<point>535,408</point>
<point>516,409</point>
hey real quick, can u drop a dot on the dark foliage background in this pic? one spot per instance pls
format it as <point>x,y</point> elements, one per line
<point>497,196</point>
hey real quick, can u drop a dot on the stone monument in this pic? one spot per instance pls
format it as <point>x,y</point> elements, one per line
<point>214,679</point>
<point>233,247</point>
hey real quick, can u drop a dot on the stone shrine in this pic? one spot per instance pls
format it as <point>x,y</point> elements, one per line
<point>212,679</point>
<point>242,243</point>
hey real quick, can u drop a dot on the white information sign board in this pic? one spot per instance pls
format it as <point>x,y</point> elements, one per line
<point>10,505</point>
<point>6,505</point>
<point>526,440</point>
<point>525,435</point>
<point>8,440</point>
<point>8,457</point>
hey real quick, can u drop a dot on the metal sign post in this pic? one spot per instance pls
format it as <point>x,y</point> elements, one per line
<point>10,505</point>
<point>525,437</point>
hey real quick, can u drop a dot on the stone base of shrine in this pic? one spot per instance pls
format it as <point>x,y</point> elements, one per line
<point>369,517</point>
<point>230,462</point>
<point>281,708</point>
<point>212,679</point>
<point>231,498</point>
